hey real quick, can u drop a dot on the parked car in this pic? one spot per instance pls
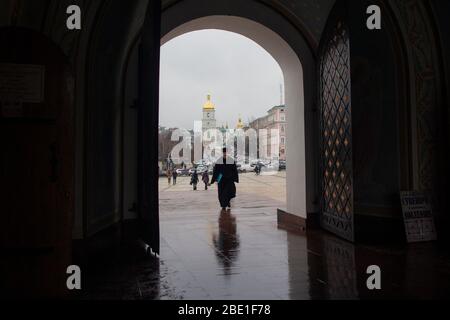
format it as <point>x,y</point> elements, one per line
<point>259,163</point>
<point>246,168</point>
<point>200,169</point>
<point>272,166</point>
<point>282,165</point>
<point>183,172</point>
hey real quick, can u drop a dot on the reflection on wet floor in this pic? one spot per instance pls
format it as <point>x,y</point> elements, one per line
<point>242,254</point>
<point>226,241</point>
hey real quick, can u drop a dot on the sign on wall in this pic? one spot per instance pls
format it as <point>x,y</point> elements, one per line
<point>20,83</point>
<point>418,217</point>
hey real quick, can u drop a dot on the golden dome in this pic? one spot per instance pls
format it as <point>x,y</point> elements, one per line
<point>209,105</point>
<point>240,124</point>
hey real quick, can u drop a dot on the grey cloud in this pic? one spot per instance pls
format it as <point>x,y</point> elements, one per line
<point>241,76</point>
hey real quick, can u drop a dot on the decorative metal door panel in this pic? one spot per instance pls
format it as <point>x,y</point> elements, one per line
<point>336,132</point>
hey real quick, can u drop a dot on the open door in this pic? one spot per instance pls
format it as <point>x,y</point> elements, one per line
<point>148,120</point>
<point>336,126</point>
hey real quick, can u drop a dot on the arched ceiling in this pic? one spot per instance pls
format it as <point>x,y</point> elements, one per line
<point>308,15</point>
<point>47,16</point>
<point>313,13</point>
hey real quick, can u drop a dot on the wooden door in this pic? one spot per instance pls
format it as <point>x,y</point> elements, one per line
<point>36,165</point>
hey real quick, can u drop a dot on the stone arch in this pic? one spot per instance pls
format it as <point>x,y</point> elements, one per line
<point>253,17</point>
<point>293,75</point>
<point>425,82</point>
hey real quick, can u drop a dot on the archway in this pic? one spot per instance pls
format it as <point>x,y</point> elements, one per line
<point>288,46</point>
<point>186,16</point>
<point>293,77</point>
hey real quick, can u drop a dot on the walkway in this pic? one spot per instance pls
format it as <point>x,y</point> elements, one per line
<point>243,255</point>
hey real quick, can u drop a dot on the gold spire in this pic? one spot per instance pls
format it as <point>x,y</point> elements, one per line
<point>208,105</point>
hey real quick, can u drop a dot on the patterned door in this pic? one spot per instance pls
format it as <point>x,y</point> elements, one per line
<point>336,130</point>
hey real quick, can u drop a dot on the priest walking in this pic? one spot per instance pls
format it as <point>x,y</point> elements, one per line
<point>225,174</point>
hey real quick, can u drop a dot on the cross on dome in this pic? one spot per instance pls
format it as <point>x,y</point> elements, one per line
<point>209,105</point>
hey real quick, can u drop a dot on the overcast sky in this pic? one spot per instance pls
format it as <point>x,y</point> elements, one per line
<point>241,76</point>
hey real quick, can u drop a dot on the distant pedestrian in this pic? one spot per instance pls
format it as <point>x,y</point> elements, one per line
<point>174,176</point>
<point>169,175</point>
<point>205,179</point>
<point>194,180</point>
<point>258,169</point>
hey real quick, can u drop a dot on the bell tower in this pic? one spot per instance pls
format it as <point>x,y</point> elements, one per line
<point>209,115</point>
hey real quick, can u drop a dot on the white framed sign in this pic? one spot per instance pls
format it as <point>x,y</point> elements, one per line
<point>418,217</point>
<point>21,83</point>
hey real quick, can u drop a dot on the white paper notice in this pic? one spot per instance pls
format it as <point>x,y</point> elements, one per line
<point>418,217</point>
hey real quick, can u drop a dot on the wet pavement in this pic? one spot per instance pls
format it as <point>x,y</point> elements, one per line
<point>242,254</point>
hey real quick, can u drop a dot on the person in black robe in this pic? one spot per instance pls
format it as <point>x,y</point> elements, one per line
<point>225,174</point>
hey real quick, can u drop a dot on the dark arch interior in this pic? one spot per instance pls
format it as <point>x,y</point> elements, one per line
<point>78,178</point>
